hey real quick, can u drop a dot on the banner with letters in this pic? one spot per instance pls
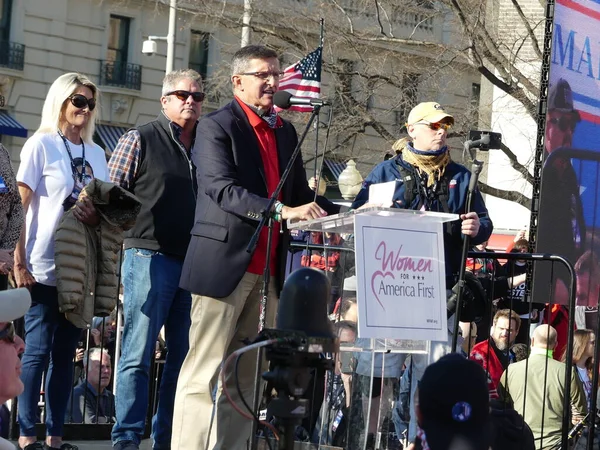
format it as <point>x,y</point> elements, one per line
<point>569,213</point>
<point>401,291</point>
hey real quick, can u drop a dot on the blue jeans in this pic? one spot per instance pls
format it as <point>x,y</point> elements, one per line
<point>50,342</point>
<point>151,298</point>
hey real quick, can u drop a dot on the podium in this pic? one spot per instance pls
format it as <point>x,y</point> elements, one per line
<point>401,298</point>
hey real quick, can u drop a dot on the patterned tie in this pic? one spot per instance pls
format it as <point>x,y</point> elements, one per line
<point>271,118</point>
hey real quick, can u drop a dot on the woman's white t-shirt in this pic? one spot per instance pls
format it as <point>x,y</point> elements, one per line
<point>46,168</point>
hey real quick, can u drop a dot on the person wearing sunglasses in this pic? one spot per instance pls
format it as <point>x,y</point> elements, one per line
<point>241,152</point>
<point>49,182</point>
<point>153,162</point>
<point>561,223</point>
<point>428,180</point>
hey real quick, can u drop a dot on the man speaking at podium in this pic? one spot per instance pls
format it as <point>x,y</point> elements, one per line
<point>241,151</point>
<point>428,180</point>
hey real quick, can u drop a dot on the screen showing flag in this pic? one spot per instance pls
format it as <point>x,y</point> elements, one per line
<point>303,79</point>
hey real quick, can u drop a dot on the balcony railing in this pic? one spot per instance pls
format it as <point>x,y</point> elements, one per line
<point>121,74</point>
<point>12,55</point>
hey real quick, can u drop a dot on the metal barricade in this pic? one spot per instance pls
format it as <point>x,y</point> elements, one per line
<point>561,317</point>
<point>375,378</point>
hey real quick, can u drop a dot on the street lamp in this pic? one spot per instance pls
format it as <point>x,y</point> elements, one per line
<point>149,46</point>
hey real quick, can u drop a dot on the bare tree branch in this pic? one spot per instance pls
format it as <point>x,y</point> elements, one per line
<point>512,196</point>
<point>530,32</point>
<point>515,164</point>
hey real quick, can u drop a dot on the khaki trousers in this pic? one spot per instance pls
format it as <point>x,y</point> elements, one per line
<point>219,325</point>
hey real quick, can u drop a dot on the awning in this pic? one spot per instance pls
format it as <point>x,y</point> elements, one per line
<point>336,167</point>
<point>10,127</point>
<point>110,135</point>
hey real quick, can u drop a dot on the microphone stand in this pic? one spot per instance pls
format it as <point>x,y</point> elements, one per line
<point>267,220</point>
<point>475,171</point>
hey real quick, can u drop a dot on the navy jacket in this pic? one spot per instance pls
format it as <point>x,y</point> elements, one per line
<point>232,192</point>
<point>457,177</point>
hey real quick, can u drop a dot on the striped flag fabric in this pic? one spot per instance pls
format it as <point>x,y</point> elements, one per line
<point>303,79</point>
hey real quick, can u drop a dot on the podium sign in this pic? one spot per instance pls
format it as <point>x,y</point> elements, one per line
<point>400,270</point>
<point>401,282</point>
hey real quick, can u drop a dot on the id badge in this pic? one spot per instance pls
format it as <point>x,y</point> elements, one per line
<point>3,187</point>
<point>72,198</point>
<point>77,188</point>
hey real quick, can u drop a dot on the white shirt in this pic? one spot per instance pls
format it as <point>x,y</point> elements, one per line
<point>46,168</point>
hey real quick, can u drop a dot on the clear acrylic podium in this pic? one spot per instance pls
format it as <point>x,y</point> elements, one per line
<point>369,370</point>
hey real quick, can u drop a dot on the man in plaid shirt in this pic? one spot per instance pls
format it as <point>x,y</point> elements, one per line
<point>153,162</point>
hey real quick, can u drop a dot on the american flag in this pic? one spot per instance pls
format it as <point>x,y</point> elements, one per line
<point>303,79</point>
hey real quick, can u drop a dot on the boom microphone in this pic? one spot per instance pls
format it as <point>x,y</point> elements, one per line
<point>285,100</point>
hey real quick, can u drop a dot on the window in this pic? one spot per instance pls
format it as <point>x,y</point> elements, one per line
<point>116,70</point>
<point>198,59</point>
<point>5,15</point>
<point>345,76</point>
<point>118,39</point>
<point>475,95</point>
<point>12,54</point>
<point>410,90</point>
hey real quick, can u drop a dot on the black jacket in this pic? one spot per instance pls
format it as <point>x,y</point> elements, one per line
<point>232,192</point>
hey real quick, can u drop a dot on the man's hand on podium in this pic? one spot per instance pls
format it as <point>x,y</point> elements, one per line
<point>305,212</point>
<point>470,224</point>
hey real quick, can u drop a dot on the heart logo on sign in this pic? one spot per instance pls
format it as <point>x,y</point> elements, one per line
<point>374,277</point>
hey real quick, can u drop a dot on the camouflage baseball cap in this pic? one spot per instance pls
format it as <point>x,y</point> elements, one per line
<point>560,98</point>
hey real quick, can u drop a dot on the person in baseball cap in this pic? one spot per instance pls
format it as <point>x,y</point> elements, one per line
<point>561,117</point>
<point>13,305</point>
<point>453,408</point>
<point>431,112</point>
<point>560,98</point>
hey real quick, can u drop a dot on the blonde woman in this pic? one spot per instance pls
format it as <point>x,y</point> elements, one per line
<point>583,359</point>
<point>56,163</point>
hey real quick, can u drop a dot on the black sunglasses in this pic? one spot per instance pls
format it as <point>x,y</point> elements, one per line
<point>8,334</point>
<point>184,95</point>
<point>564,123</point>
<point>81,101</point>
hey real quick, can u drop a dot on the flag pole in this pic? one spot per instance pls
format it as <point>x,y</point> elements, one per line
<point>319,167</point>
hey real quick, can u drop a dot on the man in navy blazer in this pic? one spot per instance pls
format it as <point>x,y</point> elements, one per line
<point>241,151</point>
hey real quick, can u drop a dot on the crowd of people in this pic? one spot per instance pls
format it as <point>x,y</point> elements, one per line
<point>183,195</point>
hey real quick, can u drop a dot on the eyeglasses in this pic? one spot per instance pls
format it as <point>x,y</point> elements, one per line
<point>81,101</point>
<point>264,75</point>
<point>8,333</point>
<point>184,95</point>
<point>436,125</point>
<point>564,123</point>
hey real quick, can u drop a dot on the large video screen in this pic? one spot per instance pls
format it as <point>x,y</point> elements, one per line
<point>569,214</point>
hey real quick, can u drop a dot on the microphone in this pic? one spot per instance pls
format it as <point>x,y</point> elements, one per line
<point>285,100</point>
